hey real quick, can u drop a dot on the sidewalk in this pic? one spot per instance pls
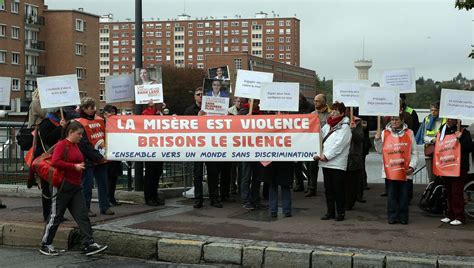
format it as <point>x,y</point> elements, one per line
<point>178,233</point>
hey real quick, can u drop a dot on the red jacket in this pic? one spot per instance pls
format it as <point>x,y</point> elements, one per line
<point>74,156</point>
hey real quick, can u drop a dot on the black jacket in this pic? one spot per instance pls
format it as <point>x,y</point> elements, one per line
<point>192,110</point>
<point>356,149</point>
<point>49,133</point>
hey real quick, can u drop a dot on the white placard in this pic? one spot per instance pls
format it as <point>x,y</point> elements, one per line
<point>5,89</point>
<point>456,104</point>
<point>402,79</point>
<point>215,105</point>
<point>279,96</point>
<point>119,88</point>
<point>379,101</point>
<point>145,93</point>
<point>248,83</point>
<point>347,91</point>
<point>58,91</point>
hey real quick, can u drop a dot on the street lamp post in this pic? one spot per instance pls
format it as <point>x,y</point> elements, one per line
<point>138,65</point>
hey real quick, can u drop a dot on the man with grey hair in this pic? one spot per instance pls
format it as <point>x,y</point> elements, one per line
<point>92,146</point>
<point>322,110</point>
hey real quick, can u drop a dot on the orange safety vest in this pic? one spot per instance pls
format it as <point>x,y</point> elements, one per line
<point>447,156</point>
<point>95,131</point>
<point>396,153</point>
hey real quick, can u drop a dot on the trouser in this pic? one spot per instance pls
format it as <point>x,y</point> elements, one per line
<point>300,175</point>
<point>153,171</point>
<point>429,168</point>
<point>455,191</point>
<point>71,198</point>
<point>99,172</point>
<point>46,191</point>
<point>285,198</point>
<point>198,174</point>
<point>224,178</point>
<point>361,178</point>
<point>354,179</point>
<point>235,177</point>
<point>250,183</point>
<point>397,200</point>
<point>334,184</point>
<point>213,169</point>
<point>313,176</point>
<point>112,179</point>
<point>364,178</point>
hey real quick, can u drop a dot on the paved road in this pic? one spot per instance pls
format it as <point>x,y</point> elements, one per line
<point>24,257</point>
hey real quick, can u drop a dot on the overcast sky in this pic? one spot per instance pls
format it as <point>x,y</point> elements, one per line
<point>430,35</point>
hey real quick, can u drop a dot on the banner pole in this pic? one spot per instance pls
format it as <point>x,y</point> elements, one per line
<point>251,107</point>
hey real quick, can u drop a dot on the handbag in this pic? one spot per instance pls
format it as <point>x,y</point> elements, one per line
<point>429,149</point>
<point>24,137</point>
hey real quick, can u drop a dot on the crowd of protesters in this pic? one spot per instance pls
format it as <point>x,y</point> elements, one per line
<point>345,145</point>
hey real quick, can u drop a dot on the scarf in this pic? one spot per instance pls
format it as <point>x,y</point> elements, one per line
<point>86,116</point>
<point>334,121</point>
<point>324,109</point>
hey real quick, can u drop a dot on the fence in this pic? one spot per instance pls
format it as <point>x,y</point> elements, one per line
<point>13,169</point>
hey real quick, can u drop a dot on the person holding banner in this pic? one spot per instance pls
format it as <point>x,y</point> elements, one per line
<point>451,163</point>
<point>355,165</point>
<point>333,159</point>
<point>153,169</point>
<point>398,147</point>
<point>427,135</point>
<point>92,147</point>
<point>35,113</point>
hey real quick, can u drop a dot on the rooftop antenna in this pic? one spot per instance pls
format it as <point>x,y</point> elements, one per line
<point>363,47</point>
<point>184,6</point>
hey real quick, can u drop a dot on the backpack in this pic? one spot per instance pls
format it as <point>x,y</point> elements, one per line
<point>434,198</point>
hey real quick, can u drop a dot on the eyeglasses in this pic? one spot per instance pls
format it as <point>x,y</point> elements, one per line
<point>198,94</point>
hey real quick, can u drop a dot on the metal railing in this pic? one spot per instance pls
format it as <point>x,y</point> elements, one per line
<point>31,19</point>
<point>34,44</point>
<point>13,169</point>
<point>35,69</point>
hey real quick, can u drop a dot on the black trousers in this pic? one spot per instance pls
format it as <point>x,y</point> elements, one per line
<point>46,191</point>
<point>334,184</point>
<point>354,183</point>
<point>213,170</point>
<point>70,197</point>
<point>313,176</point>
<point>225,169</point>
<point>153,171</point>
<point>198,173</point>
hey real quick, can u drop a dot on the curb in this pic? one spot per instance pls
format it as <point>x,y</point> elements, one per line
<point>247,253</point>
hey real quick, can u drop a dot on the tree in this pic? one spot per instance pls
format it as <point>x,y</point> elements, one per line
<point>464,4</point>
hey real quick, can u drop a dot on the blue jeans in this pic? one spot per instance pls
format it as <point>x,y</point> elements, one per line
<point>397,200</point>
<point>100,174</point>
<point>285,199</point>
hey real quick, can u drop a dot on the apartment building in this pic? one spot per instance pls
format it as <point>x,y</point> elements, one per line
<point>37,42</point>
<point>72,37</point>
<point>22,48</point>
<point>185,42</point>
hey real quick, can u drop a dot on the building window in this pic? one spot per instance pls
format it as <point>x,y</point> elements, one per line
<point>269,23</point>
<point>79,49</point>
<point>15,7</point>
<point>200,57</point>
<point>190,25</point>
<point>288,23</point>
<point>15,32</point>
<point>15,84</point>
<point>281,23</point>
<point>102,93</point>
<point>2,5</point>
<point>81,72</point>
<point>3,30</point>
<point>281,56</point>
<point>80,25</point>
<point>3,56</point>
<point>245,24</point>
<point>200,66</point>
<point>190,33</point>
<point>15,58</point>
<point>238,64</point>
<point>288,56</point>
<point>288,31</point>
<point>257,27</point>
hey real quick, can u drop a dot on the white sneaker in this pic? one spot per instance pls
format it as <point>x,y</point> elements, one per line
<point>456,222</point>
<point>445,220</point>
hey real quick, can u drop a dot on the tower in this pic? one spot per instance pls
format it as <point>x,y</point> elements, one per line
<point>363,65</point>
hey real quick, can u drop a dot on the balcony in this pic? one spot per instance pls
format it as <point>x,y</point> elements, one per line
<point>31,44</point>
<point>35,70</point>
<point>34,20</point>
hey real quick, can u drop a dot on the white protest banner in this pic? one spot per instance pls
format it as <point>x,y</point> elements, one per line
<point>379,101</point>
<point>119,88</point>
<point>5,89</point>
<point>248,83</point>
<point>145,93</point>
<point>279,96</point>
<point>347,91</point>
<point>215,105</point>
<point>402,79</point>
<point>213,138</point>
<point>456,104</point>
<point>58,91</point>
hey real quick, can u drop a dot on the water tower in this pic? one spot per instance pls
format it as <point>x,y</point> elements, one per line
<point>363,65</point>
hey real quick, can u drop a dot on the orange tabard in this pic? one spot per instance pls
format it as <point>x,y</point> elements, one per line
<point>447,156</point>
<point>95,131</point>
<point>396,152</point>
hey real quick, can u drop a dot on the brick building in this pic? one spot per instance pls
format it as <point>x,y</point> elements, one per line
<point>37,42</point>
